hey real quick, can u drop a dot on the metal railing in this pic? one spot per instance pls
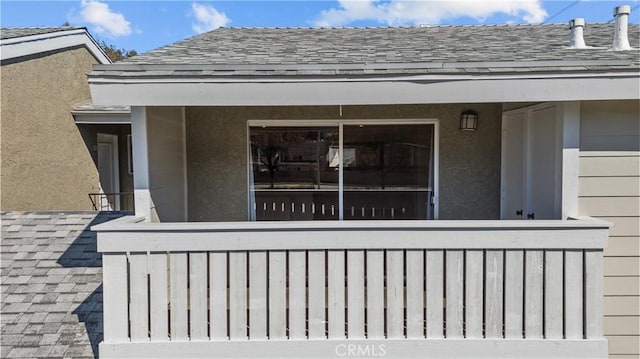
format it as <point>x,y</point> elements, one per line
<point>121,201</point>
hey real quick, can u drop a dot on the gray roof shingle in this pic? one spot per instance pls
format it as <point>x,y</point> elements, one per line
<point>13,32</point>
<point>51,284</point>
<point>378,50</point>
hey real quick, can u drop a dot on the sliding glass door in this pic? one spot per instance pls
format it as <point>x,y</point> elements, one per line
<point>386,172</point>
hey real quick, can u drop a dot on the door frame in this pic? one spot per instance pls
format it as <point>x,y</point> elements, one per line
<point>567,127</point>
<point>340,123</point>
<point>115,164</point>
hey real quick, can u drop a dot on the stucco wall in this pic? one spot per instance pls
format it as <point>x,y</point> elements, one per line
<point>217,155</point>
<point>609,188</point>
<point>45,163</point>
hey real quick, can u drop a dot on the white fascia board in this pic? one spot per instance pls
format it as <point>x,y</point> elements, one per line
<point>372,92</point>
<point>102,118</point>
<point>35,44</point>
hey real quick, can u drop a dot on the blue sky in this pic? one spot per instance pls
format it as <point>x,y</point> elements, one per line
<point>145,25</point>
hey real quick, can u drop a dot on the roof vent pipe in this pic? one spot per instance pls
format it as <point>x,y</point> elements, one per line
<point>620,36</point>
<point>577,38</point>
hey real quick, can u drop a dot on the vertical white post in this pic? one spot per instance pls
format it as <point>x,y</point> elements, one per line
<point>140,153</point>
<point>570,112</point>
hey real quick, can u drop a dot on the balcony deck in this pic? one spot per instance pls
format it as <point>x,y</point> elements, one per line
<point>353,288</point>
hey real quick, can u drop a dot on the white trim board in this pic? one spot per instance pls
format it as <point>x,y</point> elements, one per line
<point>35,44</point>
<point>371,92</point>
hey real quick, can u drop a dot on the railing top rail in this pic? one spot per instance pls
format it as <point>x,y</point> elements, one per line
<point>137,224</point>
<point>130,234</point>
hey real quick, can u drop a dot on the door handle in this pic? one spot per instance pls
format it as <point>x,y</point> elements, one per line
<point>519,213</point>
<point>531,215</point>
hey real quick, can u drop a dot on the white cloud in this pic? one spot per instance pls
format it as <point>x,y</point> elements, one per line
<point>207,18</point>
<point>402,12</point>
<point>104,20</point>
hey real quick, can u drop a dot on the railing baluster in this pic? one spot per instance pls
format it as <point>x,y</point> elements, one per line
<point>159,302</point>
<point>395,294</point>
<point>297,295</point>
<point>594,278</point>
<point>218,295</point>
<point>178,295</point>
<point>553,314</point>
<point>336,294</point>
<point>474,294</point>
<point>375,294</point>
<point>435,293</point>
<point>533,295</point>
<point>139,301</point>
<point>494,293</point>
<point>277,295</point>
<point>115,293</point>
<point>238,295</point>
<point>573,297</point>
<point>198,296</point>
<point>316,272</point>
<point>355,294</point>
<point>258,295</point>
<point>513,292</point>
<point>454,292</point>
<point>415,294</point>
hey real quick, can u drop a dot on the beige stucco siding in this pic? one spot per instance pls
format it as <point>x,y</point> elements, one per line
<point>217,155</point>
<point>45,163</point>
<point>609,188</point>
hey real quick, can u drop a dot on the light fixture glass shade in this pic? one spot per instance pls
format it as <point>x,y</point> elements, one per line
<point>469,120</point>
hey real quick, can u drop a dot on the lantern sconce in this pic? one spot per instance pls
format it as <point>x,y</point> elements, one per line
<point>468,120</point>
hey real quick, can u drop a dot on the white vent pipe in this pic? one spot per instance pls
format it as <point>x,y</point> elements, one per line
<point>577,34</point>
<point>620,34</point>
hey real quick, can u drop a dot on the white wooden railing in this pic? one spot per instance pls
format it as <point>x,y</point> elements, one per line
<point>353,289</point>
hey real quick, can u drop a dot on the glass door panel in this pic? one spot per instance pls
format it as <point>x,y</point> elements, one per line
<point>388,171</point>
<point>294,175</point>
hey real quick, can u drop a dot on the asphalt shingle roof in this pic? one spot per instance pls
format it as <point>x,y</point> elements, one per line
<point>13,32</point>
<point>437,49</point>
<point>51,285</point>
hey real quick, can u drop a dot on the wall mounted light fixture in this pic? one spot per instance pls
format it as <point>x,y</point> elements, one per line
<point>468,120</point>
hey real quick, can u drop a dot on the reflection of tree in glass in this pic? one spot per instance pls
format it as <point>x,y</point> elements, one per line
<point>269,146</point>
